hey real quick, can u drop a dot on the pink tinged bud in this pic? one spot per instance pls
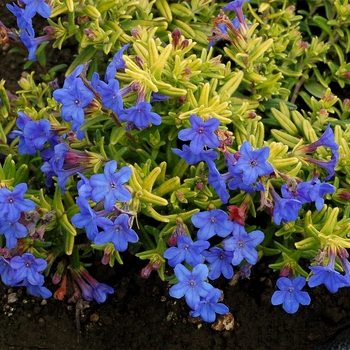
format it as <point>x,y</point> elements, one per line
<point>146,271</point>
<point>291,9</point>
<point>323,113</point>
<point>344,196</point>
<point>328,98</point>
<point>303,44</point>
<point>136,33</point>
<point>139,61</point>
<point>285,271</point>
<point>83,19</point>
<point>184,44</point>
<point>56,278</point>
<point>176,35</point>
<point>105,259</point>
<point>187,71</point>
<point>172,241</point>
<point>343,253</point>
<point>89,33</point>
<point>182,99</point>
<point>200,186</point>
<point>156,266</point>
<point>252,115</point>
<point>346,103</point>
<point>347,75</point>
<point>237,155</point>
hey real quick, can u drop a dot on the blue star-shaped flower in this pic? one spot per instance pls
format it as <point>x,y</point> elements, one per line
<point>332,279</point>
<point>211,223</point>
<point>191,284</point>
<point>116,63</point>
<point>109,186</point>
<point>285,210</point>
<point>186,250</point>
<point>141,115</point>
<point>243,244</point>
<point>209,306</point>
<point>220,263</point>
<point>201,133</point>
<point>27,266</point>
<point>290,294</point>
<point>117,232</point>
<point>252,163</point>
<point>13,202</point>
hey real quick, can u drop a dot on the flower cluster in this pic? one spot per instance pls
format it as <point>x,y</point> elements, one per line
<point>24,271</point>
<point>153,144</point>
<point>238,246</point>
<point>24,22</point>
<point>13,206</point>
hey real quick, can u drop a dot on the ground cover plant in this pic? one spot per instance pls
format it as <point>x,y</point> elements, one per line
<point>197,135</point>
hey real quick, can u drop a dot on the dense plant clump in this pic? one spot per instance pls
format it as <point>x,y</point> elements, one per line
<point>198,135</point>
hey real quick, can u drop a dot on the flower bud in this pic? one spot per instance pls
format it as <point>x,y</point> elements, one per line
<point>176,35</point>
<point>146,271</point>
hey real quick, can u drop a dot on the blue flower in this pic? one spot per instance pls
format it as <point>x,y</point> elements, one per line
<point>309,191</point>
<point>211,223</point>
<point>209,306</point>
<point>27,266</point>
<point>141,115</point>
<point>326,140</point>
<point>34,134</point>
<point>201,133</point>
<point>12,231</point>
<point>243,244</point>
<point>32,43</point>
<point>110,96</point>
<point>109,186</point>
<point>220,263</point>
<point>23,22</point>
<point>290,294</point>
<point>88,219</point>
<point>13,202</point>
<point>191,284</point>
<point>116,63</point>
<point>285,210</point>
<point>332,279</point>
<point>186,250</point>
<point>6,271</point>
<point>218,181</point>
<point>84,187</point>
<point>37,6</point>
<point>37,290</point>
<point>328,166</point>
<point>251,164</point>
<point>235,5</point>
<point>100,291</point>
<point>74,99</point>
<point>117,232</point>
<point>191,158</point>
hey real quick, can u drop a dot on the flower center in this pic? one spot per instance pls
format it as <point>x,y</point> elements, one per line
<point>240,244</point>
<point>10,199</point>
<point>200,130</point>
<point>253,163</point>
<point>112,185</point>
<point>213,220</point>
<point>192,283</point>
<point>117,228</point>
<point>28,263</point>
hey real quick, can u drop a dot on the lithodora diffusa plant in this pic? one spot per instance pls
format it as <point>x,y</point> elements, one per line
<point>197,135</point>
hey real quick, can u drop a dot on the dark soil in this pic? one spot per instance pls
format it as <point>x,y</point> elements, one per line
<point>142,315</point>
